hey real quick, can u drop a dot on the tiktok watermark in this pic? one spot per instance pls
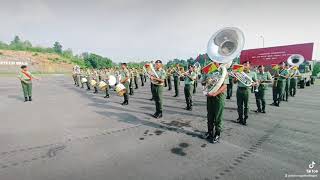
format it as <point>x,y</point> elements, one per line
<point>311,172</point>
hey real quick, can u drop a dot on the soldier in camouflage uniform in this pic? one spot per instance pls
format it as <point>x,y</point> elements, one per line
<point>26,82</point>
<point>215,109</point>
<point>157,88</point>
<point>243,95</point>
<point>263,78</point>
<point>189,80</point>
<point>125,76</point>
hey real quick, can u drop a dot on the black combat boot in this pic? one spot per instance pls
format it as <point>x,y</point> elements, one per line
<point>30,99</point>
<point>25,99</point>
<point>216,138</point>
<point>126,102</point>
<point>244,122</point>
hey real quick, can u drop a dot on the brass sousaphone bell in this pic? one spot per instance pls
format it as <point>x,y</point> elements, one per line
<point>295,60</point>
<point>225,45</point>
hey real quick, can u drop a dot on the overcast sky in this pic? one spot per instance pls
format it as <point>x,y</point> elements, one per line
<point>126,30</point>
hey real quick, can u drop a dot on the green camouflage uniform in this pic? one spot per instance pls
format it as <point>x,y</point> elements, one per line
<point>125,74</point>
<point>281,85</point>
<point>157,91</point>
<point>293,81</point>
<point>215,109</point>
<point>26,83</point>
<point>188,88</point>
<point>176,82</point>
<point>243,97</point>
<point>260,95</point>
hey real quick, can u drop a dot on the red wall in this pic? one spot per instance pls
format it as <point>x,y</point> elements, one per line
<point>275,55</point>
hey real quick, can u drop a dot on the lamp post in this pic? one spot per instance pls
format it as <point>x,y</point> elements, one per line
<point>262,40</point>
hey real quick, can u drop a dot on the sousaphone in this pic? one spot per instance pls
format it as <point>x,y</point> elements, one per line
<point>295,60</point>
<point>225,45</point>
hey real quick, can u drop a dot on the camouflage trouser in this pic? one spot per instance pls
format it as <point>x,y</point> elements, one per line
<point>27,88</point>
<point>157,91</point>
<point>242,101</point>
<point>293,87</point>
<point>176,81</point>
<point>188,91</point>
<point>280,91</point>
<point>215,108</point>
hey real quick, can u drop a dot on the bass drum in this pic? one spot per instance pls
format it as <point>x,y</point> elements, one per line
<point>84,80</point>
<point>120,89</point>
<point>112,80</point>
<point>103,85</point>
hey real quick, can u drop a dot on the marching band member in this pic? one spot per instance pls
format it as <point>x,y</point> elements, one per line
<point>82,75</point>
<point>274,84</point>
<point>26,77</point>
<point>282,76</point>
<point>135,77</point>
<point>95,76</point>
<point>262,78</point>
<point>125,75</point>
<point>195,84</point>
<point>287,83</point>
<point>176,81</point>
<point>131,82</point>
<point>88,75</point>
<point>151,85</point>
<point>141,74</point>
<point>189,80</point>
<point>75,73</point>
<point>243,95</point>
<point>215,109</point>
<point>157,88</point>
<point>105,76</point>
<point>230,86</point>
<point>169,79</point>
<point>293,81</point>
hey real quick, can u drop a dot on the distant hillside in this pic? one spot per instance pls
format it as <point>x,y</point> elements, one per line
<point>11,60</point>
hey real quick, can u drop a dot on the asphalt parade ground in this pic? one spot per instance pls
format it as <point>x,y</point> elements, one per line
<point>68,133</point>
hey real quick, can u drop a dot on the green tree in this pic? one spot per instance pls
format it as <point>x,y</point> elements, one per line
<point>57,47</point>
<point>316,69</point>
<point>67,53</point>
<point>16,40</point>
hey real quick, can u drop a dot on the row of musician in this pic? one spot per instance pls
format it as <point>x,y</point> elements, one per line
<point>284,81</point>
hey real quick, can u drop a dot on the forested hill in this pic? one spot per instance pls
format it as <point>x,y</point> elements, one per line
<point>46,59</point>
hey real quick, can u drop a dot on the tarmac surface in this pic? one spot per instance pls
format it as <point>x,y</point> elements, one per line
<point>68,133</point>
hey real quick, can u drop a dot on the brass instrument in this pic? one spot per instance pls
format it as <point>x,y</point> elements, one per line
<point>295,60</point>
<point>150,71</point>
<point>242,77</point>
<point>223,47</point>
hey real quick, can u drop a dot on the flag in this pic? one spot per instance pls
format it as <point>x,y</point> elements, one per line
<point>274,66</point>
<point>238,68</point>
<point>209,68</point>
